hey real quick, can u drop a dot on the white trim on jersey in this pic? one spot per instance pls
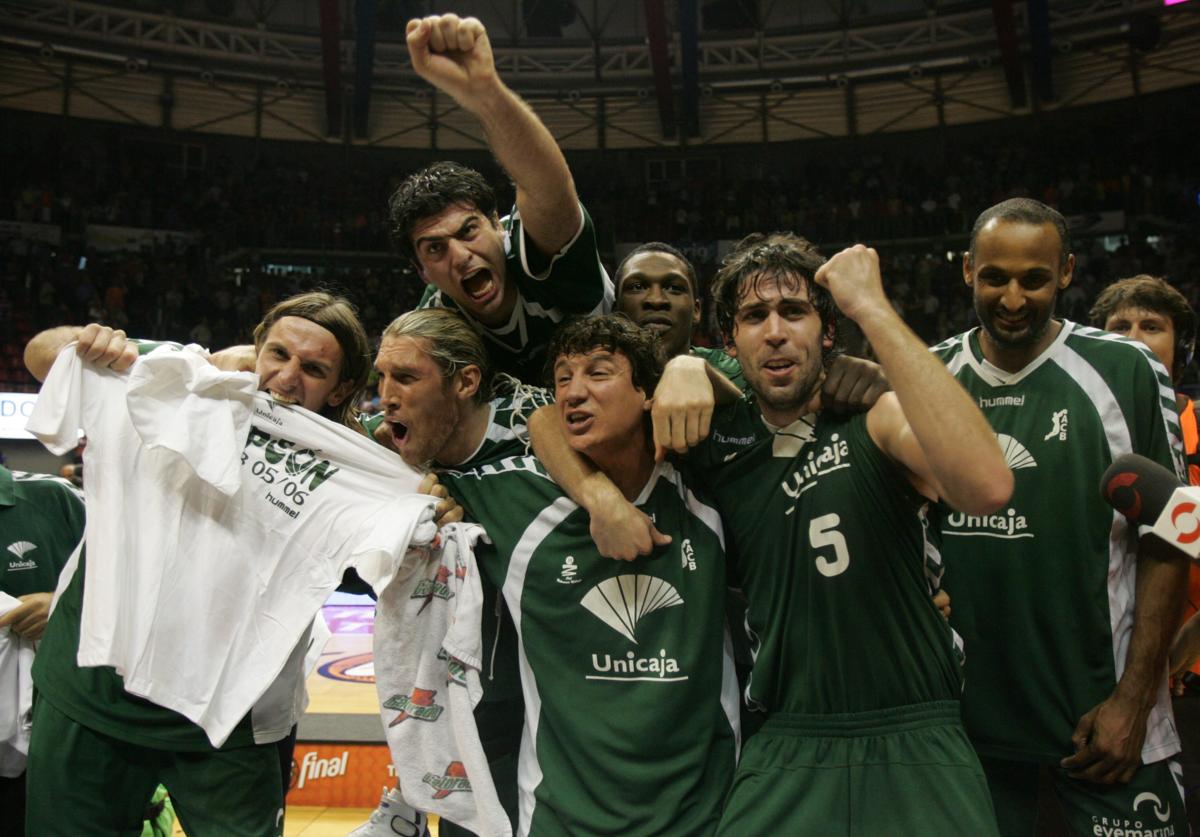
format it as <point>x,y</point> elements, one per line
<point>529,770</point>
<point>995,376</point>
<point>1166,392</point>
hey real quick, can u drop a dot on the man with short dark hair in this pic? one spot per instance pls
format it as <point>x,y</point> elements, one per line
<point>657,289</point>
<point>1066,614</point>
<point>612,654</point>
<point>515,278</point>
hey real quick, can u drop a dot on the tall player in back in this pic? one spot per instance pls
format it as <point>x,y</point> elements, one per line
<point>1066,614</point>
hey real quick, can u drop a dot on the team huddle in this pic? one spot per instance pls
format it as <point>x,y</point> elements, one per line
<point>714,581</point>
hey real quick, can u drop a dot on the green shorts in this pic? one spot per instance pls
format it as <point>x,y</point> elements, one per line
<point>80,781</point>
<point>903,770</point>
<point>1151,805</point>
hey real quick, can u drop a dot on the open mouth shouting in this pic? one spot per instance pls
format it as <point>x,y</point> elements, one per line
<point>579,421</point>
<point>399,433</point>
<point>480,286</point>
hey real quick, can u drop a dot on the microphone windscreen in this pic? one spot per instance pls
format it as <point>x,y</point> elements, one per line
<point>1138,487</point>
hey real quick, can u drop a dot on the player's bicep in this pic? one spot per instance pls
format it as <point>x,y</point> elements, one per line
<point>890,431</point>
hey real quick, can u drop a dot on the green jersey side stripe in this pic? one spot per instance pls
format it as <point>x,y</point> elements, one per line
<point>529,770</point>
<point>1166,392</point>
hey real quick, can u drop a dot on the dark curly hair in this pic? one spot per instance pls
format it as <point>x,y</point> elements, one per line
<point>428,192</point>
<point>613,333</point>
<point>784,256</point>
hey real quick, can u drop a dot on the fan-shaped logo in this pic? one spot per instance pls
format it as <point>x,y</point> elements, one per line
<point>1015,454</point>
<point>1163,814</point>
<point>621,602</point>
<point>21,547</point>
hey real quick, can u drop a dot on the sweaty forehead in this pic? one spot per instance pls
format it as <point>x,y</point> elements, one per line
<point>1017,243</point>
<point>763,287</point>
<point>445,222</point>
<point>306,340</point>
<point>403,351</point>
<point>653,264</point>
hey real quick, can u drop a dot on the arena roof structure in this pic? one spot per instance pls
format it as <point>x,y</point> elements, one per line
<point>601,73</point>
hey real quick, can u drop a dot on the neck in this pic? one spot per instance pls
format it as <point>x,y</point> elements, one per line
<point>627,465</point>
<point>468,436</point>
<point>1016,358</point>
<point>783,417</point>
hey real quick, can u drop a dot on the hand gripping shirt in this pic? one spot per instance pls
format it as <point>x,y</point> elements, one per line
<point>428,658</point>
<point>570,282</point>
<point>16,694</point>
<point>1043,590</point>
<point>631,717</point>
<point>212,506</point>
<point>833,550</point>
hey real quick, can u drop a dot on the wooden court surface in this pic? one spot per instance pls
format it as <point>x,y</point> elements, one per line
<point>311,821</point>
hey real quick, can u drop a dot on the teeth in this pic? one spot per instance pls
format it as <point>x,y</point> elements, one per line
<point>280,399</point>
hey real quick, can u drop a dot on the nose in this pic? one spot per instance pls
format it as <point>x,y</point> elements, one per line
<point>773,330</point>
<point>1013,299</point>
<point>389,395</point>
<point>460,254</point>
<point>1134,333</point>
<point>656,298</point>
<point>574,390</point>
<point>288,374</point>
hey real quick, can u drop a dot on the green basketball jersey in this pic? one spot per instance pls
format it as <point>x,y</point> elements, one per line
<point>1043,590</point>
<point>630,695</point>
<point>724,363</point>
<point>571,282</point>
<point>41,523</point>
<point>832,548</point>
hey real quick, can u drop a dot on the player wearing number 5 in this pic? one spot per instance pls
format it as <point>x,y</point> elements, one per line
<point>855,670</point>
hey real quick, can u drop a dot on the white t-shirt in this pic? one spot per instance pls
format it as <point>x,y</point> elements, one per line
<point>16,694</point>
<point>217,524</point>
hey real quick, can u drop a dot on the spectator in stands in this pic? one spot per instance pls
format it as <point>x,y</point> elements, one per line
<point>1147,309</point>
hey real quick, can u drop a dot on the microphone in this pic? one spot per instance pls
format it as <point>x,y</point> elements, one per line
<point>1150,495</point>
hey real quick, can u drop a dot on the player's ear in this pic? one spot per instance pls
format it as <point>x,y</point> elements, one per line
<point>1068,272</point>
<point>470,377</point>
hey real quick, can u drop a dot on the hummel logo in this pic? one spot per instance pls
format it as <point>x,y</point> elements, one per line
<point>568,572</point>
<point>1060,426</point>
